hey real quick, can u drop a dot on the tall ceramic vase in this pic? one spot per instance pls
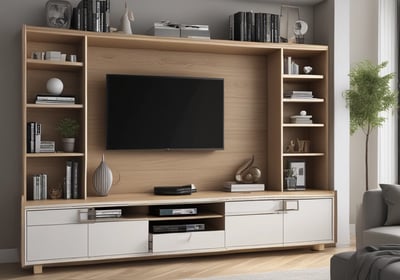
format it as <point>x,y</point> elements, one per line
<point>102,179</point>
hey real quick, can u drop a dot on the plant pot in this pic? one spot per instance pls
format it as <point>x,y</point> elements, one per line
<point>68,144</point>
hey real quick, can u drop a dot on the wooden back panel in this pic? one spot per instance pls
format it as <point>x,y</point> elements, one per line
<point>245,82</point>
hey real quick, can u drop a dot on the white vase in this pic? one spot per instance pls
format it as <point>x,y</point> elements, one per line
<point>68,144</point>
<point>126,20</point>
<point>102,179</point>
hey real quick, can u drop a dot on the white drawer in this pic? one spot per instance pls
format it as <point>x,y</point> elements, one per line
<point>52,217</point>
<point>128,237</point>
<point>253,207</point>
<point>183,241</point>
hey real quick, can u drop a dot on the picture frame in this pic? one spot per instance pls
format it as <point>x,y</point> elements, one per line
<point>58,13</point>
<point>300,172</point>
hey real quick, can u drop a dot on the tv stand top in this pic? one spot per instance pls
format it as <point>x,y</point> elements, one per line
<point>146,199</point>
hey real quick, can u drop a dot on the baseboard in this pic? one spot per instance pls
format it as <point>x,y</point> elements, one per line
<point>9,256</point>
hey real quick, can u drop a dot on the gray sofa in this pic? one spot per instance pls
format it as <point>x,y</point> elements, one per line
<point>378,223</point>
<point>371,228</point>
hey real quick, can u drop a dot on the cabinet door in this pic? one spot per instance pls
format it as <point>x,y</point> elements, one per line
<point>52,242</point>
<point>308,220</point>
<point>118,238</point>
<point>253,230</point>
<point>253,223</point>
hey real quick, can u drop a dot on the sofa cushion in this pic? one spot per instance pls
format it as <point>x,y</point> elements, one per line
<point>391,196</point>
<point>382,235</point>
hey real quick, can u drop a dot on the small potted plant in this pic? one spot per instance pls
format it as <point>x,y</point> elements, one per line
<point>68,128</point>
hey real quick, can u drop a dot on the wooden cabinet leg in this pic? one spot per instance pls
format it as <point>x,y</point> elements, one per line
<point>318,247</point>
<point>37,269</point>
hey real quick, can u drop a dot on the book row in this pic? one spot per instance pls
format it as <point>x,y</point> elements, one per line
<point>255,27</point>
<point>39,182</point>
<point>35,144</point>
<point>71,183</point>
<point>51,99</point>
<point>92,15</point>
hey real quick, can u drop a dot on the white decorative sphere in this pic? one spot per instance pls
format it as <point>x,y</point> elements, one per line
<point>303,113</point>
<point>54,86</point>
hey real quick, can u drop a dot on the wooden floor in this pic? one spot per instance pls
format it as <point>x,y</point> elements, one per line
<point>241,263</point>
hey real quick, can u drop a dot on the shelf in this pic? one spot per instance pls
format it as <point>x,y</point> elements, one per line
<point>303,125</point>
<point>303,100</point>
<point>302,77</point>
<point>56,155</point>
<point>53,65</point>
<point>53,106</point>
<point>303,154</point>
<point>187,217</point>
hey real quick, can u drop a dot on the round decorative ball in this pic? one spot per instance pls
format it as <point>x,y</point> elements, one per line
<point>54,86</point>
<point>303,113</point>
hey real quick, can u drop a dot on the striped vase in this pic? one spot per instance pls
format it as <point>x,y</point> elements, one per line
<point>102,179</point>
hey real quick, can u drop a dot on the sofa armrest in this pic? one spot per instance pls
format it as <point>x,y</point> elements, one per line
<point>372,214</point>
<point>374,209</point>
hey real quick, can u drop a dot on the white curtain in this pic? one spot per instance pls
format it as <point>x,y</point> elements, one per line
<point>388,51</point>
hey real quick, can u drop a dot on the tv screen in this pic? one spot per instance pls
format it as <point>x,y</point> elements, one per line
<point>160,112</point>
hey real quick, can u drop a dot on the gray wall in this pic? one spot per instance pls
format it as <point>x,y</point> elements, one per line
<point>15,13</point>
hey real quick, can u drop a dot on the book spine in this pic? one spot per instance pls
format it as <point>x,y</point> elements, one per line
<point>75,182</point>
<point>268,28</point>
<point>239,26</point>
<point>231,27</point>
<point>38,133</point>
<point>249,26</point>
<point>30,137</point>
<point>68,180</point>
<point>107,17</point>
<point>258,27</point>
<point>43,186</point>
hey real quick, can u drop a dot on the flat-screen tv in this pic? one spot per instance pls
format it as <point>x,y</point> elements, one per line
<point>162,112</point>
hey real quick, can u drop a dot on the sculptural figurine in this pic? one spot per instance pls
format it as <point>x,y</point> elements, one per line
<point>126,19</point>
<point>247,173</point>
<point>290,147</point>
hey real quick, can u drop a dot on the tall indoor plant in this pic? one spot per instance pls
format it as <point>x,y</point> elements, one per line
<point>368,96</point>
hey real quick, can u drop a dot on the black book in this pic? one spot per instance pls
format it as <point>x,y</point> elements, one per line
<point>75,180</point>
<point>239,26</point>
<point>30,137</point>
<point>250,26</point>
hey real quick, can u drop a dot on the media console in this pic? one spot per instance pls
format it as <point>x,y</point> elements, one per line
<point>62,232</point>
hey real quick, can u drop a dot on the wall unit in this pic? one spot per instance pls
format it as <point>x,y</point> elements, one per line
<point>256,122</point>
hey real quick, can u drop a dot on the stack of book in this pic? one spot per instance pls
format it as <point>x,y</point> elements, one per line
<point>238,187</point>
<point>92,15</point>
<point>52,99</point>
<point>300,119</point>
<point>39,183</point>
<point>256,27</point>
<point>299,94</point>
<point>71,181</point>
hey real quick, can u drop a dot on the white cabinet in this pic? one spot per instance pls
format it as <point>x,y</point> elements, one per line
<point>308,220</point>
<point>253,223</point>
<point>118,238</point>
<point>279,222</point>
<point>55,234</point>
